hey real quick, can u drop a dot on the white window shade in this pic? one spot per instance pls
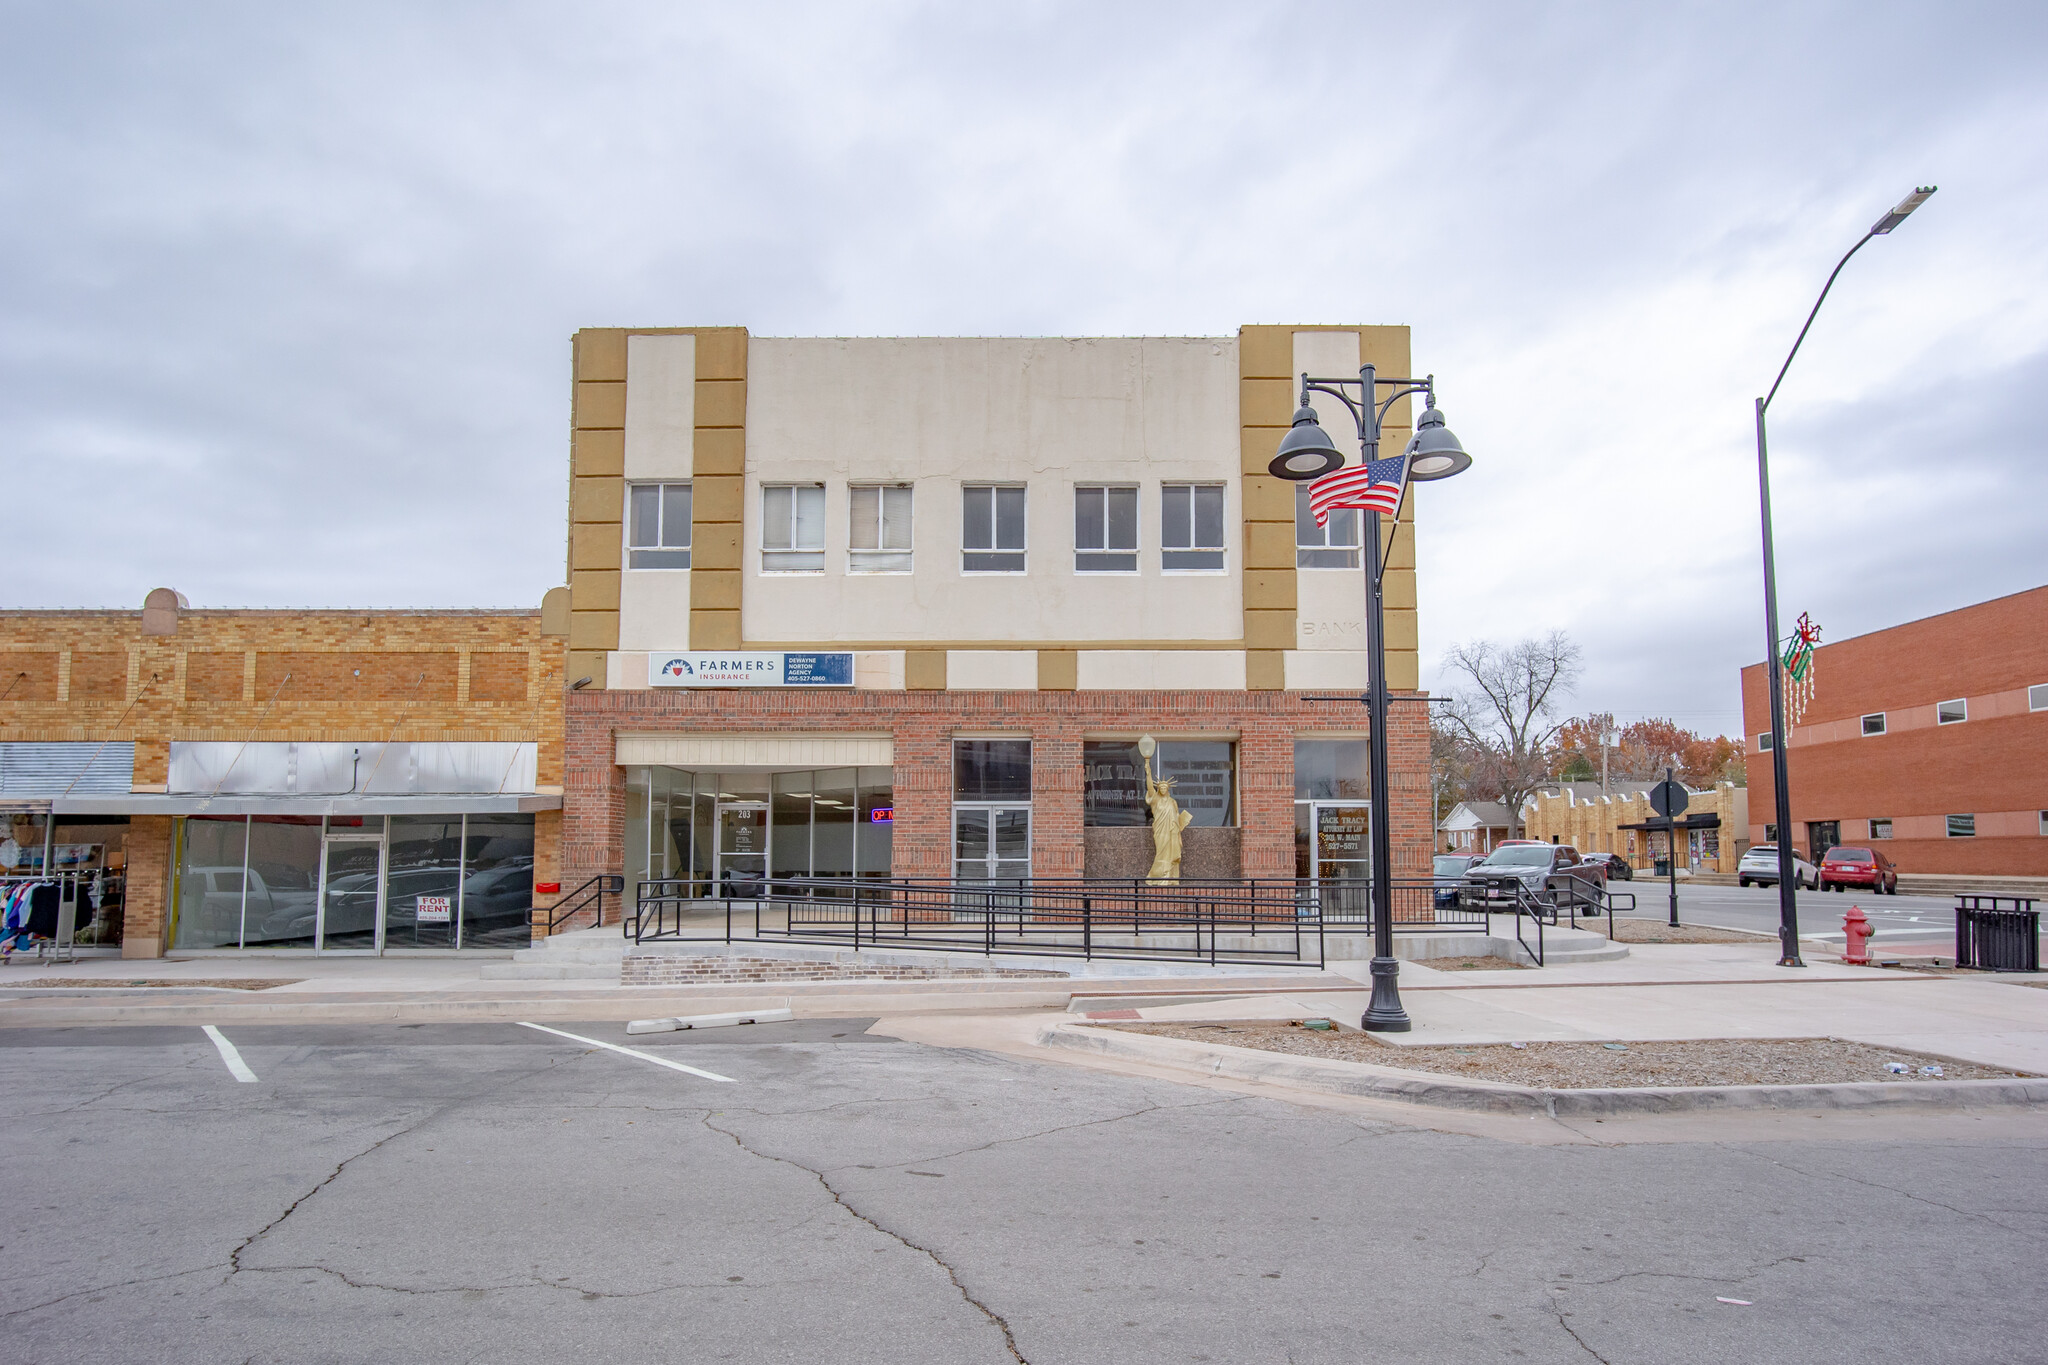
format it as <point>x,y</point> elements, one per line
<point>878,538</point>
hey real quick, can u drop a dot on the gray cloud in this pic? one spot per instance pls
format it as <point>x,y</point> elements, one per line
<point>289,289</point>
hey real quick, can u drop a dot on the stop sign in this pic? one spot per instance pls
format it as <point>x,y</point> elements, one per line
<point>1669,799</point>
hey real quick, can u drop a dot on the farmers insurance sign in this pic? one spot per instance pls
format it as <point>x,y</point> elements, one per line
<point>747,668</point>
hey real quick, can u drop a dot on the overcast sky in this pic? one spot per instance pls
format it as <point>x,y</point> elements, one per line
<point>288,288</point>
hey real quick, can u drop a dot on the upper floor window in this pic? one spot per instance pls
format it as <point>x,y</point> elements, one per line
<point>2037,697</point>
<point>992,528</point>
<point>1962,826</point>
<point>1873,724</point>
<point>1105,529</point>
<point>793,527</point>
<point>658,526</point>
<point>1952,712</point>
<point>1763,741</point>
<point>1190,526</point>
<point>1880,829</point>
<point>878,532</point>
<point>1333,546</point>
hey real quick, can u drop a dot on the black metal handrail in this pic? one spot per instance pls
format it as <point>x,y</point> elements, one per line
<point>588,896</point>
<point>1609,900</point>
<point>1272,920</point>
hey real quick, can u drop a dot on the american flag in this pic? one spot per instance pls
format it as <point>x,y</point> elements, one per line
<point>1375,487</point>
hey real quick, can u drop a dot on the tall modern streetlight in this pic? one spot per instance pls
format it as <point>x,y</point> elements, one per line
<point>1781,793</point>
<point>1306,453</point>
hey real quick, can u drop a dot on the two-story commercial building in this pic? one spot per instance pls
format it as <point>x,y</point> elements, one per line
<point>1928,740</point>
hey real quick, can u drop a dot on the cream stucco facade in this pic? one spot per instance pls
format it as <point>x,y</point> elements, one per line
<point>727,416</point>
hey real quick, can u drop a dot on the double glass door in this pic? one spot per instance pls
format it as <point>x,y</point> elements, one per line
<point>742,848</point>
<point>992,843</point>
<point>1333,851</point>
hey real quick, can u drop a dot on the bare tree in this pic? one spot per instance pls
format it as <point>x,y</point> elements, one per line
<point>1501,706</point>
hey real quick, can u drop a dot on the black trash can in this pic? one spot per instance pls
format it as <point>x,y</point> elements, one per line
<point>1998,933</point>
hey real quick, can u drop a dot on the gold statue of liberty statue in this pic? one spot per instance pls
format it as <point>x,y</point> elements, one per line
<point>1168,820</point>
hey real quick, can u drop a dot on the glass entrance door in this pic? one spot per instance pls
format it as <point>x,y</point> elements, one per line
<point>742,848</point>
<point>1341,853</point>
<point>992,843</point>
<point>351,907</point>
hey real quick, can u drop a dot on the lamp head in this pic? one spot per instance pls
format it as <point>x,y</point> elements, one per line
<point>1905,206</point>
<point>1305,453</point>
<point>1435,453</point>
<point>1147,746</point>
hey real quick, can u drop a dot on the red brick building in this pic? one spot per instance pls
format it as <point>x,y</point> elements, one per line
<point>1929,739</point>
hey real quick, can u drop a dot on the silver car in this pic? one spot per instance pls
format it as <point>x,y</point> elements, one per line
<point>1759,867</point>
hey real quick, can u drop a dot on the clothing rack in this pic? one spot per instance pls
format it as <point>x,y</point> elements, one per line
<point>57,945</point>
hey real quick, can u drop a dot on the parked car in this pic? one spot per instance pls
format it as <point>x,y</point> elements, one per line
<point>1449,871</point>
<point>1841,868</point>
<point>1549,872</point>
<point>1617,867</point>
<point>1759,867</point>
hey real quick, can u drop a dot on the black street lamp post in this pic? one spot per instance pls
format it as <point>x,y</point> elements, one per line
<point>1781,793</point>
<point>1306,453</point>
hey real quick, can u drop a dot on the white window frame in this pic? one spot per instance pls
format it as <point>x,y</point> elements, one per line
<point>1880,828</point>
<point>1338,554</point>
<point>1877,716</point>
<point>881,557</point>
<point>2037,697</point>
<point>1940,706</point>
<point>660,555</point>
<point>1193,554</point>
<point>1020,553</point>
<point>1763,742</point>
<point>786,556</point>
<point>1113,559</point>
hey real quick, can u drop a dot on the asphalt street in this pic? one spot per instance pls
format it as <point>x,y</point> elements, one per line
<point>1898,918</point>
<point>489,1192</point>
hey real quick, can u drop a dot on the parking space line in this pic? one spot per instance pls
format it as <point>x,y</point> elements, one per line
<point>237,1068</point>
<point>614,1047</point>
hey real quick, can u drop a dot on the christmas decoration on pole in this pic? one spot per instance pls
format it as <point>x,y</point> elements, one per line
<point>1798,665</point>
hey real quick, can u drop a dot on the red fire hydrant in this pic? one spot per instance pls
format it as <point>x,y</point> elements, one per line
<point>1860,931</point>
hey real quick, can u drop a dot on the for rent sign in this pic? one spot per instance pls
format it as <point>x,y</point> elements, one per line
<point>750,668</point>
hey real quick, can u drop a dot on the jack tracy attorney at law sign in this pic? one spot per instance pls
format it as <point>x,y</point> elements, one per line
<point>746,668</point>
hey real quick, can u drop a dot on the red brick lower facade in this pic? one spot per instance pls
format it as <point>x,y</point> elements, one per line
<point>923,725</point>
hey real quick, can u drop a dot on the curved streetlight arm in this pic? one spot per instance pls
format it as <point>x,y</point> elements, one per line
<point>1765,401</point>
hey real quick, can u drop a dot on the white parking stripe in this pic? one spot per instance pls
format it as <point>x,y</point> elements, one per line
<point>237,1068</point>
<point>626,1051</point>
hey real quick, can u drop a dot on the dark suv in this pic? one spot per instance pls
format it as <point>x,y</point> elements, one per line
<point>1865,867</point>
<point>1616,866</point>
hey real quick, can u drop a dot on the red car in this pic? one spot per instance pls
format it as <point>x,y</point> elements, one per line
<point>1846,867</point>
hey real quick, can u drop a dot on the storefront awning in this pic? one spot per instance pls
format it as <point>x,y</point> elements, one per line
<point>157,803</point>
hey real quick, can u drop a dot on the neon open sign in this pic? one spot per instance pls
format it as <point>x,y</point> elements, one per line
<point>882,815</point>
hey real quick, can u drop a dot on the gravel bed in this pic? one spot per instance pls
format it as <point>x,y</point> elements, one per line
<point>1582,1066</point>
<point>260,983</point>
<point>1658,931</point>
<point>1471,964</point>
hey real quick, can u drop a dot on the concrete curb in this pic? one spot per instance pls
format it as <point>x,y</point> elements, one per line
<point>1493,1097</point>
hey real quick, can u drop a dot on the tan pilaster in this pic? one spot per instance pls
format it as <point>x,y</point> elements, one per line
<point>718,499</point>
<point>1266,394</point>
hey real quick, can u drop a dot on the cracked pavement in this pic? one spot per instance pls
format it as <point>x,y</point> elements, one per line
<point>484,1192</point>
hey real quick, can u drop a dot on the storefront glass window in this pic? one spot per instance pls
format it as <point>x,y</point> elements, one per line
<point>425,881</point>
<point>97,848</point>
<point>497,882</point>
<point>209,887</point>
<point>789,840</point>
<point>875,841</point>
<point>991,769</point>
<point>638,783</point>
<point>1331,770</point>
<point>832,823</point>
<point>1113,782</point>
<point>284,881</point>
